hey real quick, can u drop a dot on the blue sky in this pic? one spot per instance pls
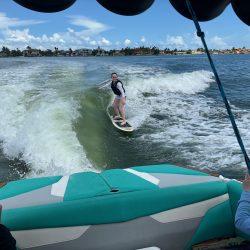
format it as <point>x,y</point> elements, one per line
<point>87,24</point>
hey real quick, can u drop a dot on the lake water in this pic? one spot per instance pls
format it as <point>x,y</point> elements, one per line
<point>53,114</point>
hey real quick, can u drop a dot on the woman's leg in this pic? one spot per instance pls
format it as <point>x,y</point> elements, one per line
<point>116,106</point>
<point>122,103</point>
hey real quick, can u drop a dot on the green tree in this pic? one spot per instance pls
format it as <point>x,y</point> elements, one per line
<point>128,51</point>
<point>155,51</point>
<point>94,52</point>
<point>5,51</point>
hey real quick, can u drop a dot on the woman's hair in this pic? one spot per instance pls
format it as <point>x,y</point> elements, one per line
<point>114,73</point>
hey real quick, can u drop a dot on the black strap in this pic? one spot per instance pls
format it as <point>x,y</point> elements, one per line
<point>229,111</point>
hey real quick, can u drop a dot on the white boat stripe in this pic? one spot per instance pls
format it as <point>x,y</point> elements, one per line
<point>144,176</point>
<point>45,236</point>
<point>59,188</point>
<point>191,211</point>
<point>173,180</point>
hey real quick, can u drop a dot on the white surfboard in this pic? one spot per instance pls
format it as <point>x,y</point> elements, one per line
<point>117,122</point>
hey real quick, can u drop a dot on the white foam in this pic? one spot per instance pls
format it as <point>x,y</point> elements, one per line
<point>186,83</point>
<point>149,91</point>
<point>178,115</point>
<point>37,124</point>
<point>199,131</point>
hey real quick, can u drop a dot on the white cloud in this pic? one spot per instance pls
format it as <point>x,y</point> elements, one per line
<point>143,39</point>
<point>70,30</point>
<point>94,43</point>
<point>127,42</point>
<point>7,22</point>
<point>177,41</point>
<point>56,38</point>
<point>217,42</point>
<point>64,40</point>
<point>24,36</point>
<point>87,38</point>
<point>92,27</point>
<point>77,39</point>
<point>19,36</point>
<point>214,42</point>
<point>44,38</point>
<point>104,42</point>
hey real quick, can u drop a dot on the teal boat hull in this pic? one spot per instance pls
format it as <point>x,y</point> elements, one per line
<point>164,206</point>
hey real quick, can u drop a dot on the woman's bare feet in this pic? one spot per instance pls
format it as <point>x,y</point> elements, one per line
<point>123,123</point>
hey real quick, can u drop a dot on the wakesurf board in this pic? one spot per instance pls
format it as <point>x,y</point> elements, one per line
<point>116,121</point>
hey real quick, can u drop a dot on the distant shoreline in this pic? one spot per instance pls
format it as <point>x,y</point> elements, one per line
<point>141,51</point>
<point>65,56</point>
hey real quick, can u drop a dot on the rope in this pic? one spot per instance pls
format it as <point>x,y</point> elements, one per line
<point>201,34</point>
